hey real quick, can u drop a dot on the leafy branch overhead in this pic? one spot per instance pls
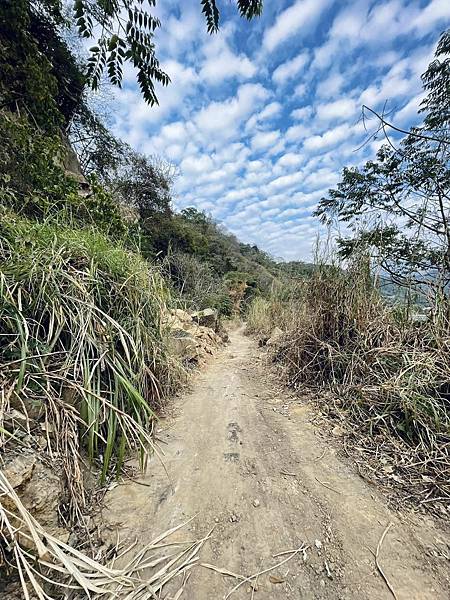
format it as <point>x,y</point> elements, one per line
<point>125,33</point>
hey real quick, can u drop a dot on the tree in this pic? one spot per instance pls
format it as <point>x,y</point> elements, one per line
<point>436,82</point>
<point>39,76</point>
<point>398,206</point>
<point>127,35</point>
<point>97,149</point>
<point>145,184</point>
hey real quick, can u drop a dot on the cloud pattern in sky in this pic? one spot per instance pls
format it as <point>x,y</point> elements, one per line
<point>262,117</point>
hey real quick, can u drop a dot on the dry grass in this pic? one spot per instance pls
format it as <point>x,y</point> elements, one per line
<point>389,376</point>
<point>48,568</point>
<point>280,309</point>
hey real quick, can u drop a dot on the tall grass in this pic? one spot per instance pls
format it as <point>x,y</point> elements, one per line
<point>278,309</point>
<point>81,341</point>
<point>389,375</point>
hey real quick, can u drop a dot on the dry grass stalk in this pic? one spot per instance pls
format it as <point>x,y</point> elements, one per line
<point>377,563</point>
<point>255,576</point>
<point>49,568</point>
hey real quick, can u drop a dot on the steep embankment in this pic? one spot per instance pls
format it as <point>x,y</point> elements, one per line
<point>247,459</point>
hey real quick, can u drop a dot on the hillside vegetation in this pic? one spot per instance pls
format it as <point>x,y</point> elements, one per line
<point>93,252</point>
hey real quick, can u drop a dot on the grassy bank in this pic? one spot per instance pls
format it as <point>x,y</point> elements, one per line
<point>370,364</point>
<point>83,344</point>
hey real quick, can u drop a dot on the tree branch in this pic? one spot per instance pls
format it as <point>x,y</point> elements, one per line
<point>395,128</point>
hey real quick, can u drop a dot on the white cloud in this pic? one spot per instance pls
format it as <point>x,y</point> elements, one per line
<point>402,80</point>
<point>409,112</point>
<point>300,114</point>
<point>290,68</point>
<point>269,111</point>
<point>363,23</point>
<point>225,66</point>
<point>255,165</point>
<point>300,90</point>
<point>296,133</point>
<point>196,165</point>
<point>265,139</point>
<point>264,117</point>
<point>179,34</point>
<point>220,120</point>
<point>184,82</point>
<point>330,86</point>
<point>343,109</point>
<point>323,55</point>
<point>329,138</point>
<point>437,11</point>
<point>320,178</point>
<point>290,159</point>
<point>286,181</point>
<point>239,194</point>
<point>222,63</point>
<point>300,18</point>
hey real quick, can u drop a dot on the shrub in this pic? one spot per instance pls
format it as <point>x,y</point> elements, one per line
<point>390,375</point>
<point>32,179</point>
<point>280,308</point>
<point>35,184</point>
<point>196,283</point>
<point>259,316</point>
<point>83,340</point>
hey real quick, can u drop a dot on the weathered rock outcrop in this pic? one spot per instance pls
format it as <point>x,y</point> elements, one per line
<point>192,341</point>
<point>38,487</point>
<point>207,318</point>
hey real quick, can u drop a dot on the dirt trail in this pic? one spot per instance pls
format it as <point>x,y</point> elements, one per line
<point>227,449</point>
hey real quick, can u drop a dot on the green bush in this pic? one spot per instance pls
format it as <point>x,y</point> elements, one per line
<point>35,184</point>
<point>32,178</point>
<point>81,321</point>
<point>196,283</point>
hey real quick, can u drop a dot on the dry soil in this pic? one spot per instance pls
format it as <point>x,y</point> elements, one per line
<point>244,460</point>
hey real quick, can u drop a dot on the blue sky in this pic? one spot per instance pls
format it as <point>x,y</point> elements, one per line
<point>261,118</point>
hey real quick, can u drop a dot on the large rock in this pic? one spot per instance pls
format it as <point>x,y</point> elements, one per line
<point>38,488</point>
<point>184,345</point>
<point>207,318</point>
<point>182,315</point>
<point>177,319</point>
<point>19,469</point>
<point>190,340</point>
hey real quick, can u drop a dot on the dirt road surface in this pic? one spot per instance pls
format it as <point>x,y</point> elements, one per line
<point>243,460</point>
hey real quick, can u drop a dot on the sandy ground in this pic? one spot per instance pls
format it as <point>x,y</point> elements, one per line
<point>269,481</point>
